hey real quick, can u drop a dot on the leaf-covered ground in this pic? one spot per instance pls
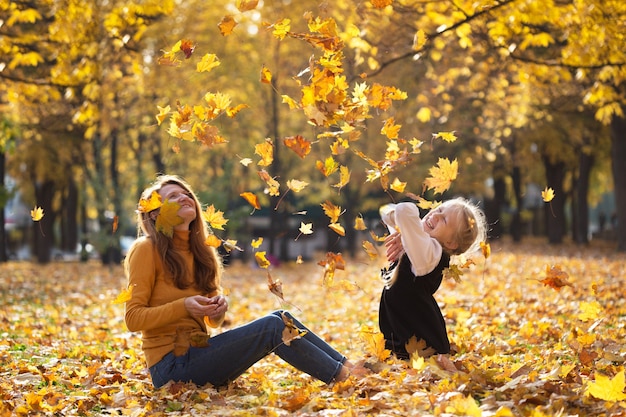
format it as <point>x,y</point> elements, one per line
<point>524,348</point>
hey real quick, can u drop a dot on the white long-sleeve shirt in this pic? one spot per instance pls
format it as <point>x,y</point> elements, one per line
<point>423,251</point>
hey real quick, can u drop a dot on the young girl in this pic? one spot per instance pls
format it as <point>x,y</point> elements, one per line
<point>419,251</point>
<point>176,293</point>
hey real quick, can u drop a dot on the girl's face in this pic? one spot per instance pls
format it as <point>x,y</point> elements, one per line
<point>442,224</point>
<point>174,193</point>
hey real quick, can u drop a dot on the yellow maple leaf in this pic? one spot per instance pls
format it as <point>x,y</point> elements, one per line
<point>419,40</point>
<point>261,260</point>
<point>207,63</point>
<point>297,185</point>
<point>163,113</point>
<point>256,243</point>
<point>442,175</point>
<point>168,218</point>
<point>332,211</point>
<point>214,217</point>
<point>370,249</point>
<point>547,194</point>
<point>266,75</point>
<point>447,136</point>
<point>327,167</point>
<point>281,28</point>
<point>337,228</point>
<point>398,185</point>
<point>486,249</point>
<point>607,389</point>
<point>125,295</point>
<point>344,177</point>
<point>266,151</point>
<point>359,223</point>
<point>390,128</point>
<point>149,204</point>
<point>36,214</point>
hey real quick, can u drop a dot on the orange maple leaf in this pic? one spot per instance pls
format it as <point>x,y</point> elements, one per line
<point>252,199</point>
<point>187,47</point>
<point>298,144</point>
<point>556,278</point>
<point>275,286</point>
<point>266,151</point>
<point>227,25</point>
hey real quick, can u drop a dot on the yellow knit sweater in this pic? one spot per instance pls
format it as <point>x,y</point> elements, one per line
<point>156,307</point>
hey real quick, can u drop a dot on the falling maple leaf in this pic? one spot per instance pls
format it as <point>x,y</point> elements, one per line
<point>227,25</point>
<point>266,75</point>
<point>297,185</point>
<point>168,218</point>
<point>306,228</point>
<point>281,28</point>
<point>275,286</point>
<point>213,241</point>
<point>370,249</point>
<point>152,203</point>
<point>246,5</point>
<point>252,199</point>
<point>332,211</point>
<point>447,136</point>
<point>556,278</point>
<point>442,175</point>
<point>547,194</point>
<point>256,243</point>
<point>36,214</point>
<point>207,63</point>
<point>261,260</point>
<point>359,223</point>
<point>266,151</point>
<point>298,144</point>
<point>214,217</point>
<point>344,177</point>
<point>485,247</point>
<point>327,167</point>
<point>398,185</point>
<point>337,228</point>
<point>163,113</point>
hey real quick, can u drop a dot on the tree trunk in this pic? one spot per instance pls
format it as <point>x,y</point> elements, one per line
<point>44,234</point>
<point>580,205</point>
<point>555,209</point>
<point>618,156</point>
<point>493,207</point>
<point>516,221</point>
<point>69,218</point>
<point>3,233</point>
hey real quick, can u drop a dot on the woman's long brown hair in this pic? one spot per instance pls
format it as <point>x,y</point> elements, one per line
<point>207,262</point>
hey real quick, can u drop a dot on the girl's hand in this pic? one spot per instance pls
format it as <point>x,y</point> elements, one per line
<point>393,245</point>
<point>199,306</point>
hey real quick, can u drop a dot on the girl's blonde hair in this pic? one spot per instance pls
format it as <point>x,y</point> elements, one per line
<point>472,225</point>
<point>207,263</point>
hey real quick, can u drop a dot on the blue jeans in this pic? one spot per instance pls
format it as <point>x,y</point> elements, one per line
<point>231,353</point>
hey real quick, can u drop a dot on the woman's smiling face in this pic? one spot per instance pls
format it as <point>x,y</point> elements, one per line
<point>442,224</point>
<point>174,193</point>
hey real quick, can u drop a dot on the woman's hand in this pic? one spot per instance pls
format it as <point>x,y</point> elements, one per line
<point>393,245</point>
<point>214,307</point>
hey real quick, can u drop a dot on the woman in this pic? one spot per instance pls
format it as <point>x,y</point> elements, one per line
<point>176,293</point>
<point>419,251</point>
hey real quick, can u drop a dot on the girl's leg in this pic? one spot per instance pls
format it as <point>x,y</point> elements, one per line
<point>231,353</point>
